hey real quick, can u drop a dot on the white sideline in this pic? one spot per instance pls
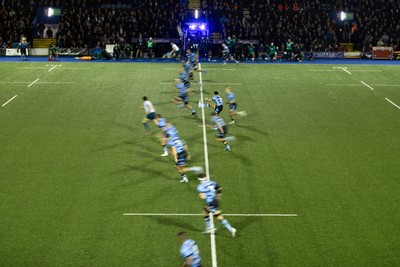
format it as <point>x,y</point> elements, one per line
<point>32,83</point>
<point>212,235</point>
<point>367,85</point>
<point>199,214</point>
<point>11,99</point>
<point>391,102</point>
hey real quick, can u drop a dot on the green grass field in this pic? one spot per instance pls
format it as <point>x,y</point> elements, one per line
<point>317,142</point>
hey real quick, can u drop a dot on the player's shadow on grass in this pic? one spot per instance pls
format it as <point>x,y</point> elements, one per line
<point>254,129</point>
<point>240,225</point>
<point>176,222</point>
<point>152,171</point>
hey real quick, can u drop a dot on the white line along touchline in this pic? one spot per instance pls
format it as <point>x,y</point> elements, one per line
<point>198,214</point>
<point>11,99</point>
<point>212,235</point>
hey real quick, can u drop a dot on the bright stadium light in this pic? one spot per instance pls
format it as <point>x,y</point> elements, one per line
<point>202,27</point>
<point>342,16</point>
<point>196,14</point>
<point>50,12</point>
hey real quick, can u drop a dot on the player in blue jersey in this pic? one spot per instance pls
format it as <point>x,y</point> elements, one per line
<point>23,47</point>
<point>193,60</point>
<point>222,129</point>
<point>162,124</point>
<point>188,70</point>
<point>183,96</point>
<point>216,102</point>
<point>233,105</point>
<point>189,251</point>
<point>184,78</point>
<point>180,155</point>
<point>211,192</point>
<point>226,54</point>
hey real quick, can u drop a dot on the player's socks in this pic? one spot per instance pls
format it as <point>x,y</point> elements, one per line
<point>227,225</point>
<point>165,149</point>
<point>184,178</point>
<point>146,126</point>
<point>207,222</point>
<point>196,169</point>
<point>230,138</point>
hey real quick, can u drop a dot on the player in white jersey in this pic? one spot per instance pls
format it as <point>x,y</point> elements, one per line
<point>150,114</point>
<point>176,52</point>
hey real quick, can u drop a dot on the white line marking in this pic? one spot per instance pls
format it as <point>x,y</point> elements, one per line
<point>207,83</point>
<point>36,83</point>
<point>345,69</point>
<point>52,68</point>
<point>367,85</point>
<point>391,102</point>
<point>32,83</point>
<point>31,68</point>
<point>343,84</point>
<point>212,235</point>
<point>11,99</point>
<point>199,64</point>
<point>198,214</point>
<point>356,84</point>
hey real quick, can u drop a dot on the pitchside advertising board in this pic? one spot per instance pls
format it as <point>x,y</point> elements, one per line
<point>328,54</point>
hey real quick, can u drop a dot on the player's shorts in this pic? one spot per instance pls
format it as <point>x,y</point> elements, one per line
<point>184,98</point>
<point>181,159</point>
<point>213,205</point>
<point>222,135</point>
<point>232,106</point>
<point>151,116</point>
<point>225,56</point>
<point>218,109</point>
<point>186,84</point>
<point>23,51</point>
<point>176,53</point>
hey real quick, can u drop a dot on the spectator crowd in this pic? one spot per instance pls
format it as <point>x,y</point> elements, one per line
<point>311,25</point>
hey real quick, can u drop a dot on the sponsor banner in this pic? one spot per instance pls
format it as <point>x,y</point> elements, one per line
<point>13,52</point>
<point>328,54</point>
<point>73,51</point>
<point>352,54</point>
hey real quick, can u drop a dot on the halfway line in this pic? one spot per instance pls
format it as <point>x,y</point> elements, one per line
<point>32,83</point>
<point>367,85</point>
<point>391,102</point>
<point>11,99</point>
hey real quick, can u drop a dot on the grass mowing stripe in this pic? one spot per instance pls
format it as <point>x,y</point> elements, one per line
<point>212,235</point>
<point>11,99</point>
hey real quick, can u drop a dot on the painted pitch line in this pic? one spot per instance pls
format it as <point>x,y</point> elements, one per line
<point>208,83</point>
<point>52,68</point>
<point>391,102</point>
<point>367,86</point>
<point>212,235</point>
<point>344,69</point>
<point>356,84</point>
<point>199,64</point>
<point>199,214</point>
<point>11,99</point>
<point>32,83</point>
